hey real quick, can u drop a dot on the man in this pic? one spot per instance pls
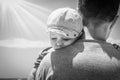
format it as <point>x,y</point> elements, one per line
<point>89,59</point>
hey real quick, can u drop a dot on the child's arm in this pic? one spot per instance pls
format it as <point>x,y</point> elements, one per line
<point>37,63</point>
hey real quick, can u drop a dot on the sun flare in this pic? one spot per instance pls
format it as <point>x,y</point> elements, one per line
<point>22,18</point>
<point>10,2</point>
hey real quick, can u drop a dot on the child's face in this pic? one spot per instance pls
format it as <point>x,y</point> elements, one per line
<point>59,41</point>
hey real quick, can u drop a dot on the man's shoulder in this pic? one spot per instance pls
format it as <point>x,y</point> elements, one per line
<point>92,46</point>
<point>47,54</point>
<point>46,50</point>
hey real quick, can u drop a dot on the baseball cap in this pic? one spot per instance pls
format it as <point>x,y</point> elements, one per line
<point>65,21</point>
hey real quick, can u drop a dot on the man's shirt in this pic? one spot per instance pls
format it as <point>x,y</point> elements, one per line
<point>84,60</point>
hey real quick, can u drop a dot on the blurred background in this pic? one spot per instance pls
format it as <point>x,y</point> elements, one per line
<point>23,33</point>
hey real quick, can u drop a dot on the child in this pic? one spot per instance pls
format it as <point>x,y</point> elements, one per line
<point>64,28</point>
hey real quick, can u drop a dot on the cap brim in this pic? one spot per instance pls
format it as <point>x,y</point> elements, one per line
<point>66,33</point>
<point>57,31</point>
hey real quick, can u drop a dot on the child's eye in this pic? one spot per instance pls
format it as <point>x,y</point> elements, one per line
<point>66,39</point>
<point>53,38</point>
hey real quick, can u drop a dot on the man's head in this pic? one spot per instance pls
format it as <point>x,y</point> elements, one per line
<point>64,26</point>
<point>99,16</point>
<point>99,9</point>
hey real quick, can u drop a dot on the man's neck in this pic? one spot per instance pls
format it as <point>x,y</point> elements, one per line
<point>87,34</point>
<point>89,37</point>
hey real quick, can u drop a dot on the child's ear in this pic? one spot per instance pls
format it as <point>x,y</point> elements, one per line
<point>114,21</point>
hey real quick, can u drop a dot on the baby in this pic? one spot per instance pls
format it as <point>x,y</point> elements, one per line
<point>64,28</point>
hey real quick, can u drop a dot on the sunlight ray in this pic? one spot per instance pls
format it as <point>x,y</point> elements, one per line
<point>3,11</point>
<point>31,22</point>
<point>45,10</point>
<point>23,18</point>
<point>20,20</point>
<point>36,11</point>
<point>8,3</point>
<point>30,17</point>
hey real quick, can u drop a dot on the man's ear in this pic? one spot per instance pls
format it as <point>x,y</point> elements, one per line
<point>114,21</point>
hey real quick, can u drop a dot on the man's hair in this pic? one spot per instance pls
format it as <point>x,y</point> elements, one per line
<point>99,9</point>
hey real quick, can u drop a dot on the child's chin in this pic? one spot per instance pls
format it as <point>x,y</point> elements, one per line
<point>56,48</point>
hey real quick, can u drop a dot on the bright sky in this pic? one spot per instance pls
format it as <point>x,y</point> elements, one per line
<point>25,21</point>
<point>21,22</point>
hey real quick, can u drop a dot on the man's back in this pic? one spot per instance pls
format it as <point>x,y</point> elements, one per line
<point>86,60</point>
<point>98,61</point>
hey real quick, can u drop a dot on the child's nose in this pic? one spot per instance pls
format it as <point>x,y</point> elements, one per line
<point>59,42</point>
